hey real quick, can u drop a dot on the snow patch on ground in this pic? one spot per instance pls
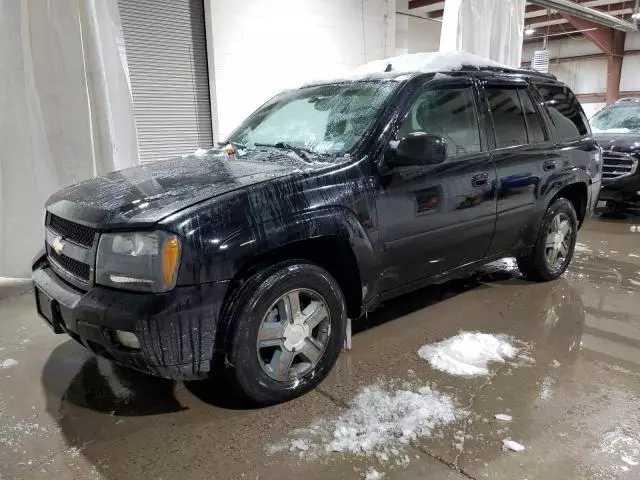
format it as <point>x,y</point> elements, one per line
<point>379,422</point>
<point>634,255</point>
<point>509,444</point>
<point>8,363</point>
<point>504,417</point>
<point>12,435</point>
<point>468,354</point>
<point>581,248</point>
<point>373,474</point>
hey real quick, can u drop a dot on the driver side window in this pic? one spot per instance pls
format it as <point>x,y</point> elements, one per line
<point>449,113</point>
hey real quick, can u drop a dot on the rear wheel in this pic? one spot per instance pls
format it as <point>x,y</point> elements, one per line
<point>554,247</point>
<point>287,331</point>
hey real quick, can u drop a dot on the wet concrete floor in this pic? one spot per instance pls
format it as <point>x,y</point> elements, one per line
<point>576,407</point>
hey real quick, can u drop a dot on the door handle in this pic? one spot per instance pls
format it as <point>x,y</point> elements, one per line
<point>480,179</point>
<point>549,165</point>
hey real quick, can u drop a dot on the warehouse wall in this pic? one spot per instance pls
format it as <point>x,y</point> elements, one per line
<point>258,48</point>
<point>415,34</point>
<point>588,75</point>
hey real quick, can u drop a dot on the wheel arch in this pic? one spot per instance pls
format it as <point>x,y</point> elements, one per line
<point>332,238</point>
<point>577,193</point>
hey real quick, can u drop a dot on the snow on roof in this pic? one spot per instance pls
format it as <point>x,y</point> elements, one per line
<point>404,66</point>
<point>425,62</point>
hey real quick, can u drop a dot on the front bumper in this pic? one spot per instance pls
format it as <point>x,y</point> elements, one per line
<point>176,330</point>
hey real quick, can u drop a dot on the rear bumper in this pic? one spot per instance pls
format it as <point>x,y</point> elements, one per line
<point>176,330</point>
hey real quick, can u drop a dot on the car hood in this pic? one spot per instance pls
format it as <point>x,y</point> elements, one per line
<point>619,142</point>
<point>148,193</point>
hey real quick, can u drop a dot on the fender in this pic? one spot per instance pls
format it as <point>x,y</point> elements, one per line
<point>561,180</point>
<point>247,244</point>
<point>555,183</point>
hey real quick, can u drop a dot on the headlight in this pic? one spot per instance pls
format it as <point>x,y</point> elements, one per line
<point>143,261</point>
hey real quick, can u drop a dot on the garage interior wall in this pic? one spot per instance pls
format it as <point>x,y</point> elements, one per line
<point>257,49</point>
<point>414,33</point>
<point>66,112</point>
<point>587,76</point>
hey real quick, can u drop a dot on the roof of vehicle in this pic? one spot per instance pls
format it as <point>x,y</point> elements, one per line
<point>404,67</point>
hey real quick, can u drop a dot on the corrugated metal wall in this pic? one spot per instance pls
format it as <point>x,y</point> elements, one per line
<point>167,56</point>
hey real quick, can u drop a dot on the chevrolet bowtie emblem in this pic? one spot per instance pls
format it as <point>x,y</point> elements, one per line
<point>58,245</point>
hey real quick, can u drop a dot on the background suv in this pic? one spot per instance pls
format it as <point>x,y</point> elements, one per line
<point>617,130</point>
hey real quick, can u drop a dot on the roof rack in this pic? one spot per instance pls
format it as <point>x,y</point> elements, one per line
<point>521,71</point>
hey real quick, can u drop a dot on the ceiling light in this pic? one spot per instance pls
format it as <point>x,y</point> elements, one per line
<point>529,31</point>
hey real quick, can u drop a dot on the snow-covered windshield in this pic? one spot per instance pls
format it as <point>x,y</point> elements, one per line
<point>617,119</point>
<point>322,120</point>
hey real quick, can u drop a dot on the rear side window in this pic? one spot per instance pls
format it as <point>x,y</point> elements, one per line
<point>565,111</point>
<point>508,118</point>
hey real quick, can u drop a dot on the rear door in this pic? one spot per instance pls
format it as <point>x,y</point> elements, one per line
<point>575,147</point>
<point>438,217</point>
<point>523,152</point>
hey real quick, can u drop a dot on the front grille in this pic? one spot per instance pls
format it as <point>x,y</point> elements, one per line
<point>71,231</point>
<point>618,165</point>
<point>78,269</point>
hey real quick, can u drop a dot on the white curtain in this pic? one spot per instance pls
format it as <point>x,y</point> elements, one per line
<point>489,28</point>
<point>66,112</point>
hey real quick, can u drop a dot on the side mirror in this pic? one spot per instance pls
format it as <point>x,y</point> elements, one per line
<point>418,148</point>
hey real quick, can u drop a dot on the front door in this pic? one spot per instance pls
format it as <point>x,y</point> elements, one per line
<point>437,217</point>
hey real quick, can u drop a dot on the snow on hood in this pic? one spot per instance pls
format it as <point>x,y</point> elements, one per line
<point>425,62</point>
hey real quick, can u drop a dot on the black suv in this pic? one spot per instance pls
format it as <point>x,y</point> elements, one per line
<point>326,201</point>
<point>617,130</point>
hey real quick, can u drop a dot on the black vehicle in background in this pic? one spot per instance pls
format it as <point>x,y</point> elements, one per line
<point>617,130</point>
<point>327,200</point>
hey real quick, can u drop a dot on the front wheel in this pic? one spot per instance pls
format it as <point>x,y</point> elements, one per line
<point>287,330</point>
<point>554,246</point>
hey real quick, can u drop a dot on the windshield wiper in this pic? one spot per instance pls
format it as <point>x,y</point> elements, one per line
<point>300,152</point>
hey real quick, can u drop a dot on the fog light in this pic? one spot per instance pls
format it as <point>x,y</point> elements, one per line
<point>128,339</point>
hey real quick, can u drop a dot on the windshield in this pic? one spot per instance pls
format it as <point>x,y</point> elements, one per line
<point>323,120</point>
<point>617,119</point>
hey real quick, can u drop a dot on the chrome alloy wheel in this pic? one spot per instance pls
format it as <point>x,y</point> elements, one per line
<point>293,335</point>
<point>558,241</point>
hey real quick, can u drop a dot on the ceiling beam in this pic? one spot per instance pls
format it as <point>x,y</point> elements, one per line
<point>578,10</point>
<point>533,11</point>
<point>557,18</point>
<point>602,5</point>
<point>611,42</point>
<point>564,28</point>
<point>422,3</point>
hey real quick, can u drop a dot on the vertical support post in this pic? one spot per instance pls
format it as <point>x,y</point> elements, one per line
<point>611,42</point>
<point>614,66</point>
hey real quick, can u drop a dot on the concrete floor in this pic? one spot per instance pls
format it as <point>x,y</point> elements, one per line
<point>66,414</point>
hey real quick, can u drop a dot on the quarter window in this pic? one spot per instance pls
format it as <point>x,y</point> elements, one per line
<point>449,113</point>
<point>565,111</point>
<point>508,118</point>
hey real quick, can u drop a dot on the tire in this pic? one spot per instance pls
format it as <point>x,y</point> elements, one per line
<point>537,266</point>
<point>260,308</point>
